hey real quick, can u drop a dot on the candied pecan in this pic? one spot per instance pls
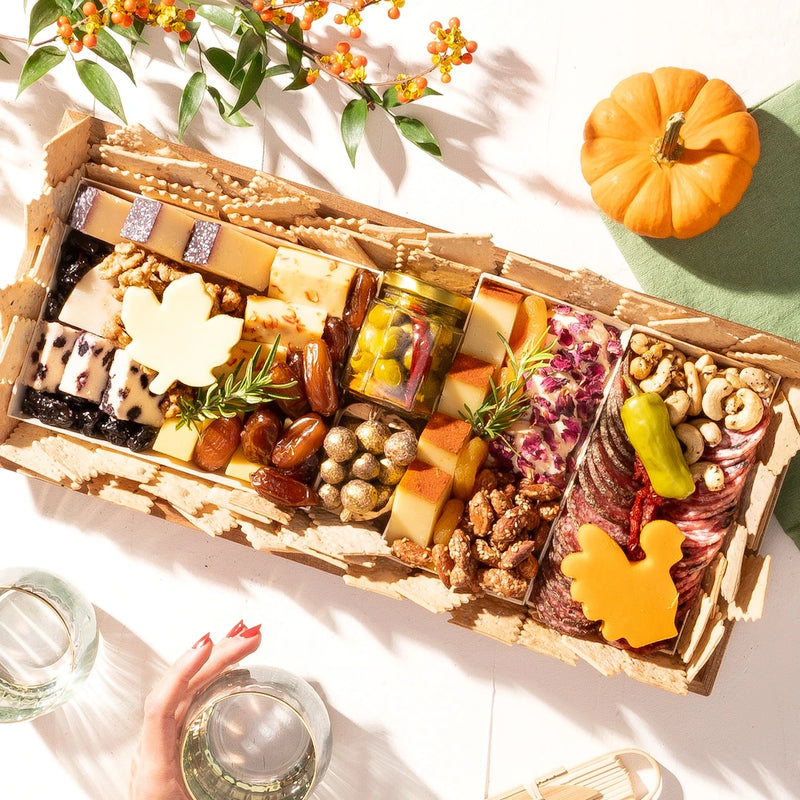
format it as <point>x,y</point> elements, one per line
<point>542,492</point>
<point>171,403</point>
<point>541,533</point>
<point>511,526</point>
<point>442,563</point>
<point>486,479</point>
<point>481,513</point>
<point>503,582</point>
<point>516,553</point>
<point>528,569</point>
<point>231,300</point>
<point>528,505</point>
<point>485,553</point>
<point>411,553</point>
<point>502,499</point>
<point>549,511</point>
<point>463,573</point>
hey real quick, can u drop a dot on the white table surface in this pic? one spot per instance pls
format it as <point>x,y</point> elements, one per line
<point>421,709</point>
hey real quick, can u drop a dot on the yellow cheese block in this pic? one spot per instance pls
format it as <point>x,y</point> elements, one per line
<point>494,310</point>
<point>298,276</point>
<point>176,442</point>
<point>466,384</point>
<point>418,501</point>
<point>441,441</point>
<point>228,252</point>
<point>267,317</point>
<point>240,467</point>
<point>243,351</point>
<point>158,226</point>
<point>99,214</point>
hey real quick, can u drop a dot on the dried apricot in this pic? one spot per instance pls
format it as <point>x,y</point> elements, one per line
<point>448,520</point>
<point>470,460</point>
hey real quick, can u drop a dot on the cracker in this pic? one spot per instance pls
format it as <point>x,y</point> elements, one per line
<point>185,495</point>
<point>544,278</point>
<point>47,256</point>
<point>248,504</point>
<point>278,210</point>
<point>53,202</point>
<point>381,579</point>
<point>782,439</point>
<point>590,290</point>
<point>767,343</point>
<point>393,235</point>
<point>734,555</point>
<point>14,348</point>
<point>447,274</point>
<point>266,186</point>
<point>491,617</point>
<point>749,602</point>
<point>132,499</point>
<point>658,670</point>
<point>137,139</point>
<point>74,458</point>
<point>262,226</point>
<point>233,187</point>
<point>7,424</point>
<point>426,590</point>
<point>541,639</point>
<point>341,539</point>
<point>381,253</point>
<point>703,331</point>
<point>473,249</point>
<point>607,660</point>
<point>213,521</point>
<point>114,176</point>
<point>336,243</point>
<point>712,636</point>
<point>351,224</point>
<point>23,298</point>
<point>122,465</point>
<point>260,538</point>
<point>182,199</point>
<point>21,448</point>
<point>172,170</point>
<point>67,151</point>
<point>639,309</point>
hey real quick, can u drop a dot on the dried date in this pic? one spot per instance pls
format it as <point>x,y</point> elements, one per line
<point>363,288</point>
<point>293,401</point>
<point>260,433</point>
<point>318,379</point>
<point>337,336</point>
<point>217,443</point>
<point>283,489</point>
<point>299,441</point>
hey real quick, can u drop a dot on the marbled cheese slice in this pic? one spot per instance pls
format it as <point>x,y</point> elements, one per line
<point>48,357</point>
<point>99,214</point>
<point>159,227</point>
<point>312,279</point>
<point>91,305</point>
<point>86,372</point>
<point>127,395</point>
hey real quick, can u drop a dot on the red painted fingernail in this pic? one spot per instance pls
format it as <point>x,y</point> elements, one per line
<point>202,642</point>
<point>236,629</point>
<point>250,632</point>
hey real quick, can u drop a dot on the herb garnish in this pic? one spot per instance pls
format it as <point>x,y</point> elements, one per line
<point>505,404</point>
<point>235,394</point>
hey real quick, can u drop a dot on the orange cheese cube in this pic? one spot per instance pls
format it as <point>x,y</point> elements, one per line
<point>441,441</point>
<point>493,312</point>
<point>466,384</point>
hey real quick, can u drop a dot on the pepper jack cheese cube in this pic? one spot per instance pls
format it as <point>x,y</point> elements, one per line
<point>159,227</point>
<point>127,395</point>
<point>418,501</point>
<point>441,440</point>
<point>232,254</point>
<point>240,467</point>
<point>86,372</point>
<point>53,344</point>
<point>99,214</point>
<point>313,279</point>
<point>466,384</point>
<point>91,305</point>
<point>493,311</point>
<point>267,317</point>
<point>177,442</point>
<point>243,351</point>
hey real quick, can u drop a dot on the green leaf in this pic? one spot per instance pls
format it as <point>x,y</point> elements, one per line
<point>255,21</point>
<point>251,83</point>
<point>101,85</point>
<point>43,13</point>
<point>39,62</point>
<point>133,34</point>
<point>249,45</point>
<point>354,123</point>
<point>108,48</point>
<point>298,82</point>
<point>192,27</point>
<point>218,16</point>
<point>222,61</point>
<point>191,99</point>
<point>3,58</point>
<point>390,99</point>
<point>223,107</point>
<point>417,132</point>
<point>294,51</point>
<point>278,69</point>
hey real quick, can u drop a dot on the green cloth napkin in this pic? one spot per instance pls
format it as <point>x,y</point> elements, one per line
<point>747,267</point>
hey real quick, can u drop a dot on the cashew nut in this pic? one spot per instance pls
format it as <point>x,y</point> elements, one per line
<point>677,404</point>
<point>643,365</point>
<point>758,380</point>
<point>660,379</point>
<point>706,369</point>
<point>693,389</point>
<point>640,342</point>
<point>709,430</point>
<point>744,410</point>
<point>711,475</point>
<point>731,374</point>
<point>716,391</point>
<point>692,441</point>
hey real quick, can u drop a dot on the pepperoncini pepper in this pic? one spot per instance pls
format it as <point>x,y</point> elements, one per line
<point>646,420</point>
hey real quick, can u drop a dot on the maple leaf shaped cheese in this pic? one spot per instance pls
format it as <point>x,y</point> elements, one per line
<point>176,337</point>
<point>636,600</point>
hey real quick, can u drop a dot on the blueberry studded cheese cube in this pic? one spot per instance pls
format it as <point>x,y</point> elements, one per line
<point>52,347</point>
<point>127,395</point>
<point>86,372</point>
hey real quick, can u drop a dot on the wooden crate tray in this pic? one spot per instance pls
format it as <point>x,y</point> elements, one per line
<point>134,160</point>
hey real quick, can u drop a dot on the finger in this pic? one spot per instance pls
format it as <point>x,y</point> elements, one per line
<point>160,726</point>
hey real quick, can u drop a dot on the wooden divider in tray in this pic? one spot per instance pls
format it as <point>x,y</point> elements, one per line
<point>134,160</point>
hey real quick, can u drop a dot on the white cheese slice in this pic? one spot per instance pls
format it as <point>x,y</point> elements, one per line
<point>52,346</point>
<point>91,305</point>
<point>86,372</point>
<point>127,395</point>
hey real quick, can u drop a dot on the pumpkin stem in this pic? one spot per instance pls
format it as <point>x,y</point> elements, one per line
<point>669,147</point>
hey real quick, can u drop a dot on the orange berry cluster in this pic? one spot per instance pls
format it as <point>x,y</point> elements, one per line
<point>343,64</point>
<point>273,12</point>
<point>409,88</point>
<point>164,14</point>
<point>450,48</point>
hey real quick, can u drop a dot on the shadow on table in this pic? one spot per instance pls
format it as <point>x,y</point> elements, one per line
<point>104,718</point>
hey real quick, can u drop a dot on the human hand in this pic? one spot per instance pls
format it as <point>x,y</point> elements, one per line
<point>156,770</point>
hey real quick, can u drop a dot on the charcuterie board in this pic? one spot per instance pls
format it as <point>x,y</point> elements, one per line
<point>722,577</point>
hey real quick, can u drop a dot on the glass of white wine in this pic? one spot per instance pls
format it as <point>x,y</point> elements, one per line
<point>256,733</point>
<point>48,642</point>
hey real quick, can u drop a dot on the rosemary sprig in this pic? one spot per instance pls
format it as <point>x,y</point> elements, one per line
<point>505,404</point>
<point>235,394</point>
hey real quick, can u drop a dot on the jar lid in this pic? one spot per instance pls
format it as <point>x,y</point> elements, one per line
<point>407,283</point>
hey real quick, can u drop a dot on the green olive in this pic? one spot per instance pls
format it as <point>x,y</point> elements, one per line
<point>388,372</point>
<point>380,316</point>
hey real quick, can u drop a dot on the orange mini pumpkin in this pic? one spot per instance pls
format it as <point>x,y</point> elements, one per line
<point>669,152</point>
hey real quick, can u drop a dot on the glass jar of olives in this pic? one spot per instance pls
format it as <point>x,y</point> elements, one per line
<point>406,344</point>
